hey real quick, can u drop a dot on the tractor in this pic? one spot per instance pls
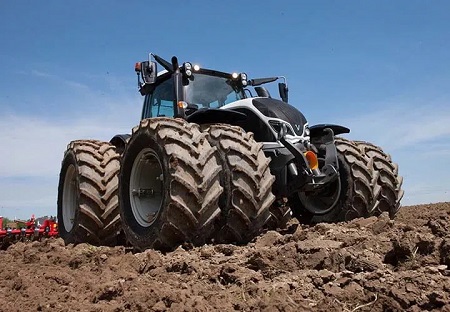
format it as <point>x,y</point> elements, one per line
<point>216,159</point>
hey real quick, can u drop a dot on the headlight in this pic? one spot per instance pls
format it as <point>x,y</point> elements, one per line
<point>244,79</point>
<point>188,69</point>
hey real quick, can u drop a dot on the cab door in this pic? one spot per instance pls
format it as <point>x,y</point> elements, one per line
<point>160,102</point>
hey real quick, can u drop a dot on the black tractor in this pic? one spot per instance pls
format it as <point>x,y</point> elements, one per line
<point>216,158</point>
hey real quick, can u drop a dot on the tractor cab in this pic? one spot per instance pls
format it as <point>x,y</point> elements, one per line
<point>182,91</point>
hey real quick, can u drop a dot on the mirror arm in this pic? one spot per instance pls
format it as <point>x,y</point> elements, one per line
<point>167,66</point>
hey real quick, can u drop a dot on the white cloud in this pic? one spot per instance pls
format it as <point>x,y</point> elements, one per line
<point>402,126</point>
<point>418,139</point>
<point>424,193</point>
<point>22,197</point>
<point>56,78</point>
<point>33,145</point>
<point>39,73</point>
<point>32,151</point>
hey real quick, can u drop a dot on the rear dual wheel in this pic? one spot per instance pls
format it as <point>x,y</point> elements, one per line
<point>388,180</point>
<point>169,185</point>
<point>88,208</point>
<point>247,199</point>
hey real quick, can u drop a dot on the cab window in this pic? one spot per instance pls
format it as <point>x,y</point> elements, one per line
<point>160,103</point>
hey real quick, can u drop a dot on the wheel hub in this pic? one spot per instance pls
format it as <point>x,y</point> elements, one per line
<point>146,187</point>
<point>69,206</point>
<point>322,201</point>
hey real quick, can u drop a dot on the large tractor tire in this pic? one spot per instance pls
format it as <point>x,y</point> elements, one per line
<point>169,185</point>
<point>88,210</point>
<point>351,196</point>
<point>369,185</point>
<point>388,179</point>
<point>246,178</point>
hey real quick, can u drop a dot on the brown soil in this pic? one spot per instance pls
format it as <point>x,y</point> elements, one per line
<point>370,264</point>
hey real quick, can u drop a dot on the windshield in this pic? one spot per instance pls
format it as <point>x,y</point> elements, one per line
<point>211,91</point>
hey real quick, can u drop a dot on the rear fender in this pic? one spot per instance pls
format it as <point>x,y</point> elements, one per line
<point>120,141</point>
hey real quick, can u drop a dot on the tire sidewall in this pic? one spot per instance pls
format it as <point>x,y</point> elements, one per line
<point>139,236</point>
<point>69,236</point>
<point>340,210</point>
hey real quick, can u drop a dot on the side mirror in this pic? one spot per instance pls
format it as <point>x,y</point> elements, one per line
<point>283,89</point>
<point>148,72</point>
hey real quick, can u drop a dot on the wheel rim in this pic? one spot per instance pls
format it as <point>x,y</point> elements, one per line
<point>146,186</point>
<point>321,201</point>
<point>69,205</point>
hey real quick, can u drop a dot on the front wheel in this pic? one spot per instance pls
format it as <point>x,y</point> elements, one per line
<point>352,195</point>
<point>169,185</point>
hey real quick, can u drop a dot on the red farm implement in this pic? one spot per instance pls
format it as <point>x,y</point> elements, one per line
<point>31,231</point>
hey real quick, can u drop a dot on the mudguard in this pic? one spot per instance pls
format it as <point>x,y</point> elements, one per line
<point>317,130</point>
<point>120,141</point>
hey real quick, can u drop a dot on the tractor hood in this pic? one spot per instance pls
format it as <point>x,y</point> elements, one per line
<point>278,109</point>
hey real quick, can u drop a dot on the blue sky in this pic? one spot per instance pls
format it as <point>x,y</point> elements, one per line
<point>382,68</point>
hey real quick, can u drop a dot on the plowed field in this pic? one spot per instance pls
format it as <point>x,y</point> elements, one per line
<point>374,264</point>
